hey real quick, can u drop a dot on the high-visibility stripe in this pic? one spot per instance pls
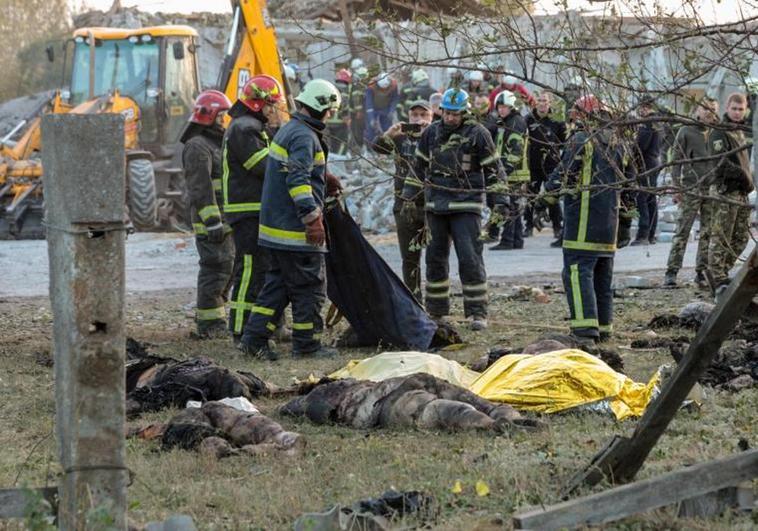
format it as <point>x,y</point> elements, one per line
<point>589,246</point>
<point>463,205</point>
<point>584,323</point>
<point>576,292</point>
<point>263,310</point>
<point>584,208</point>
<point>255,158</point>
<point>210,314</point>
<point>199,229</point>
<point>302,326</point>
<point>270,326</point>
<point>440,284</point>
<point>281,234</point>
<point>412,181</point>
<point>208,212</point>
<point>241,306</point>
<point>242,207</point>
<point>474,298</point>
<point>444,295</point>
<point>489,160</point>
<point>422,155</point>
<point>474,287</point>
<point>605,328</point>
<point>278,152</point>
<point>304,190</point>
<point>319,159</point>
<point>217,185</point>
<point>225,176</point>
<point>247,274</point>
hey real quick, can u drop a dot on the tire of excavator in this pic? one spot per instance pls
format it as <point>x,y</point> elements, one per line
<point>142,198</point>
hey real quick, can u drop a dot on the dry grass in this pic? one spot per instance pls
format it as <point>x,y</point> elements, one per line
<point>342,465</point>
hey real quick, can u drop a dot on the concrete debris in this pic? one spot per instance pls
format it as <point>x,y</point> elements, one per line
<point>734,368</point>
<point>369,192</point>
<point>634,282</point>
<point>527,293</point>
<point>692,316</point>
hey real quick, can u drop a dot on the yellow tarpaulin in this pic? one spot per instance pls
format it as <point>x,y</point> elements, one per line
<point>393,364</point>
<point>560,380</point>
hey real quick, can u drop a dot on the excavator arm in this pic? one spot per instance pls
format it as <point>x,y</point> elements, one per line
<point>251,49</point>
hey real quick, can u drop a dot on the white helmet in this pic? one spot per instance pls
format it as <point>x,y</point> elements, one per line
<point>320,95</point>
<point>383,80</point>
<point>508,79</point>
<point>419,76</point>
<point>475,75</point>
<point>356,63</point>
<point>289,73</point>
<point>505,97</point>
<point>361,72</point>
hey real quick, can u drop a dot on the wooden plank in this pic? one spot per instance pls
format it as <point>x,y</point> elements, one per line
<point>621,459</point>
<point>645,495</point>
<point>17,503</point>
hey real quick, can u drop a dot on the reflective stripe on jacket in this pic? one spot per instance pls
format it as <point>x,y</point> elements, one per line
<point>246,146</point>
<point>293,192</point>
<point>201,159</point>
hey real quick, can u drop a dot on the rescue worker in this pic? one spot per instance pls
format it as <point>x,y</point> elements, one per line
<point>587,177</point>
<point>246,148</point>
<point>338,126</point>
<point>481,108</point>
<point>456,161</point>
<point>356,109</point>
<point>648,158</point>
<point>202,161</point>
<point>419,89</point>
<point>401,140</point>
<point>380,103</point>
<point>732,182</point>
<point>435,100</point>
<point>292,227</point>
<point>510,83</point>
<point>456,78</point>
<point>546,138</point>
<point>509,134</point>
<point>475,84</point>
<point>692,180</point>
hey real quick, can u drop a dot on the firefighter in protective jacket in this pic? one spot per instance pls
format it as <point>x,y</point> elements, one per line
<point>292,227</point>
<point>456,162</point>
<point>587,176</point>
<point>202,163</point>
<point>246,149</point>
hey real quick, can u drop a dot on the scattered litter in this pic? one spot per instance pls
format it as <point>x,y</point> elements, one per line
<point>734,368</point>
<point>372,514</point>
<point>527,293</point>
<point>482,489</point>
<point>457,487</point>
<point>240,403</point>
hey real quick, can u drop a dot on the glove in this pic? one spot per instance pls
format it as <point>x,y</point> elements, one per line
<point>216,233</point>
<point>314,231</point>
<point>333,185</point>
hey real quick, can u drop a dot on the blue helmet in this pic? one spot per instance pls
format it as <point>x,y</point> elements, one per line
<point>454,99</point>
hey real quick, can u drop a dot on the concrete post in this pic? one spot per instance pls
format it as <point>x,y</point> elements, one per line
<point>84,210</point>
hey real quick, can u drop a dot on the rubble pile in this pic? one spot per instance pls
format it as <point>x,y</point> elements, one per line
<point>369,192</point>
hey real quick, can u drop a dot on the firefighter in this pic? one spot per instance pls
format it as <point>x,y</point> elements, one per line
<point>435,100</point>
<point>419,89</point>
<point>587,177</point>
<point>338,126</point>
<point>292,228</point>
<point>380,104</point>
<point>456,161</point>
<point>509,134</point>
<point>356,109</point>
<point>246,147</point>
<point>202,163</point>
<point>475,84</point>
<point>401,140</point>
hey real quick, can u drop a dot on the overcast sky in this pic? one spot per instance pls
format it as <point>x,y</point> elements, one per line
<point>709,10</point>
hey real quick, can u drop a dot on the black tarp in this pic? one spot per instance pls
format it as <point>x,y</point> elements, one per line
<point>377,304</point>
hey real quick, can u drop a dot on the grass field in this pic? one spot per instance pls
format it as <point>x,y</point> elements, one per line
<point>342,465</point>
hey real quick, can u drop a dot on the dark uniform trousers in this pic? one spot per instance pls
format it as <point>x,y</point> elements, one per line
<point>250,265</point>
<point>213,279</point>
<point>464,231</point>
<point>293,277</point>
<point>409,233</point>
<point>587,280</point>
<point>513,228</point>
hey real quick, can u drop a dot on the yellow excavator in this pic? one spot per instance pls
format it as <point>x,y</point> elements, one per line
<point>150,76</point>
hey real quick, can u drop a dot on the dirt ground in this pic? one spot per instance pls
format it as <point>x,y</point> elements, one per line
<point>342,465</point>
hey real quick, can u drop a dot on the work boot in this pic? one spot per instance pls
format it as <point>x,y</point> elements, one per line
<point>701,281</point>
<point>478,323</point>
<point>603,337</point>
<point>502,247</point>
<point>321,352</point>
<point>215,329</point>
<point>622,243</point>
<point>638,241</point>
<point>652,240</point>
<point>669,281</point>
<point>557,244</point>
<point>528,233</point>
<point>264,353</point>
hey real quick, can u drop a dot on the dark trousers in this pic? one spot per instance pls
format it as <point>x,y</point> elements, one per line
<point>409,233</point>
<point>554,211</point>
<point>297,278</point>
<point>216,261</point>
<point>510,229</point>
<point>337,137</point>
<point>587,279</point>
<point>647,205</point>
<point>250,265</point>
<point>463,230</point>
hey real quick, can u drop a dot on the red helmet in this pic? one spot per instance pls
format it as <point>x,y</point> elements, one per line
<point>588,104</point>
<point>260,90</point>
<point>207,106</point>
<point>344,76</point>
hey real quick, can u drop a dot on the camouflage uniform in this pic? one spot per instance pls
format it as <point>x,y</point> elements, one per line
<point>693,179</point>
<point>730,228</point>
